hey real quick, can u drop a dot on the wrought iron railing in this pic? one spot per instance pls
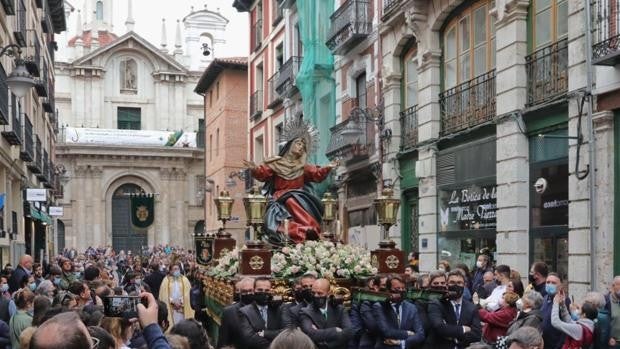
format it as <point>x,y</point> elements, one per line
<point>409,128</point>
<point>274,96</point>
<point>547,73</point>
<point>13,132</point>
<point>46,168</point>
<point>46,22</point>
<point>389,5</point>
<point>606,47</point>
<point>4,97</point>
<point>36,165</point>
<point>257,29</point>
<point>20,28</point>
<point>352,139</point>
<point>468,104</point>
<point>256,103</point>
<point>27,152</point>
<point>288,72</point>
<point>350,24</point>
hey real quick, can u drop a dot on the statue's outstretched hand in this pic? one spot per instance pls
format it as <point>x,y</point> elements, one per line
<point>333,164</point>
<point>249,164</point>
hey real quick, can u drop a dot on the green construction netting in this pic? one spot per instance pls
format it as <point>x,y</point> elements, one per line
<point>315,79</point>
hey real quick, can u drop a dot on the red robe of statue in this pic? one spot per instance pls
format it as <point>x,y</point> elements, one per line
<point>301,220</point>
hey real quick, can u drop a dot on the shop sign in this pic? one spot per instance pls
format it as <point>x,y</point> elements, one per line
<point>470,208</point>
<point>56,211</point>
<point>36,195</point>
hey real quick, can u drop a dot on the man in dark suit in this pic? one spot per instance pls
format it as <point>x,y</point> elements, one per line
<point>363,319</point>
<point>259,322</point>
<point>229,333</point>
<point>398,321</point>
<point>328,326</point>
<point>154,279</point>
<point>455,320</point>
<point>303,297</point>
<point>23,269</point>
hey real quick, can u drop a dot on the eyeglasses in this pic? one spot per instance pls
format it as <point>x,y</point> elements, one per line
<point>95,343</point>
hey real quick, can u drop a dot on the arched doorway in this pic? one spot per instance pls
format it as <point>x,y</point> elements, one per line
<point>199,228</point>
<point>124,235</point>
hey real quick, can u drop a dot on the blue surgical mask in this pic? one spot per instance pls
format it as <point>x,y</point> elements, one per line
<point>33,286</point>
<point>4,288</point>
<point>56,281</point>
<point>551,289</point>
<point>574,315</point>
<point>176,274</point>
<point>77,274</point>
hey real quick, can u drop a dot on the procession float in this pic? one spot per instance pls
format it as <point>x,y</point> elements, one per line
<point>293,233</point>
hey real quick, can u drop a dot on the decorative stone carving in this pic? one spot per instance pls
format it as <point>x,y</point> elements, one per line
<point>508,9</point>
<point>129,76</point>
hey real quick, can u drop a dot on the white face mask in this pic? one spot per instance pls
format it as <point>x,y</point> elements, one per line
<point>519,304</point>
<point>479,264</point>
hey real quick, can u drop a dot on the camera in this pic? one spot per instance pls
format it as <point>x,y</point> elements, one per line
<point>206,50</point>
<point>122,306</point>
<point>540,185</point>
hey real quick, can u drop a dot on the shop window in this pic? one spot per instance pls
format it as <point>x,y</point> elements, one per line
<point>550,22</point>
<point>469,44</point>
<point>129,118</point>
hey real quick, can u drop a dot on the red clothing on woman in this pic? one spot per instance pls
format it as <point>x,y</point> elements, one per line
<point>496,322</point>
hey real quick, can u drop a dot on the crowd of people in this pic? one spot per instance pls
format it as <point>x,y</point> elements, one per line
<point>67,304</point>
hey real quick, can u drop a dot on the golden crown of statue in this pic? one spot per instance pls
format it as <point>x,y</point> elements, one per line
<point>299,128</point>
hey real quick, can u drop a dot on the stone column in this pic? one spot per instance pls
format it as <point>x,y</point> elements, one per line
<point>579,266</point>
<point>165,206</point>
<point>512,144</point>
<point>98,207</point>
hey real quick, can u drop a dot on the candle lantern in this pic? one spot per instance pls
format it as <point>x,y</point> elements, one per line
<point>223,241</point>
<point>255,259</point>
<point>329,215</point>
<point>387,258</point>
<point>224,204</point>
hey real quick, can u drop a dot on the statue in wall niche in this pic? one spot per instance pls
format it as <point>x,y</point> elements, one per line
<point>129,75</point>
<point>294,213</point>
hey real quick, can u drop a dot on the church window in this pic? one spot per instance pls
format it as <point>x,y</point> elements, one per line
<point>129,118</point>
<point>129,76</point>
<point>99,11</point>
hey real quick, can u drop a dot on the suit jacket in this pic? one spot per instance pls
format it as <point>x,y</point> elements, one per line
<point>229,328</point>
<point>251,322</point>
<point>448,332</point>
<point>389,328</point>
<point>154,281</point>
<point>322,330</point>
<point>364,326</point>
<point>290,314</point>
<point>16,278</point>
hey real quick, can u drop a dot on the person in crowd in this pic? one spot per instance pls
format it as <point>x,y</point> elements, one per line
<point>155,278</point>
<point>613,306</point>
<point>23,269</point>
<point>437,280</point>
<point>363,320</point>
<point>259,322</point>
<point>553,337</point>
<point>602,323</point>
<point>194,332</point>
<point>37,269</point>
<point>5,337</point>
<point>177,342</point>
<point>397,320</point>
<point>67,276</point>
<point>292,338</point>
<point>455,321</point>
<point>516,286</point>
<point>105,339</point>
<point>497,322</point>
<point>482,266</point>
<point>303,297</point>
<point>502,278</point>
<point>82,293</point>
<point>525,338</point>
<point>422,281</point>
<point>538,278</point>
<point>64,330</point>
<point>229,328</point>
<point>92,273</point>
<point>120,328</point>
<point>530,314</point>
<point>174,291</point>
<point>24,300</point>
<point>5,300</point>
<point>46,288</point>
<point>580,332</point>
<point>487,287</point>
<point>328,326</point>
<point>444,266</point>
<point>40,306</point>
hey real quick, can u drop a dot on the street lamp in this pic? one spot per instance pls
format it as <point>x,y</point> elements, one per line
<point>387,258</point>
<point>329,214</point>
<point>255,259</point>
<point>223,241</point>
<point>20,80</point>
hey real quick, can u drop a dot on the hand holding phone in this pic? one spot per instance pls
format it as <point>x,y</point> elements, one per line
<point>147,310</point>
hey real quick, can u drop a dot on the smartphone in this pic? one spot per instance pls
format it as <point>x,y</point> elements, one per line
<point>121,306</point>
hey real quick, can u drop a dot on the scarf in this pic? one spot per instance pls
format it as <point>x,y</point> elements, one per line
<point>288,167</point>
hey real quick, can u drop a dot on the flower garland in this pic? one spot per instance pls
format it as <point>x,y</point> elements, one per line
<point>227,266</point>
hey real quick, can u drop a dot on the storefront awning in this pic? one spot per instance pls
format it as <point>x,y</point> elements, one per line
<point>39,215</point>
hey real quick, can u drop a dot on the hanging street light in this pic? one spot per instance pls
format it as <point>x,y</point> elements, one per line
<point>19,81</point>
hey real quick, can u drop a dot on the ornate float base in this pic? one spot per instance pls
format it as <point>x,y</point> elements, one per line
<point>255,260</point>
<point>388,259</point>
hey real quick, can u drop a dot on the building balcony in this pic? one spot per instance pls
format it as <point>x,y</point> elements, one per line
<point>606,37</point>
<point>409,128</point>
<point>46,21</point>
<point>44,175</point>
<point>256,104</point>
<point>285,85</point>
<point>9,7</point>
<point>353,139</point>
<point>49,181</point>
<point>547,73</point>
<point>274,97</point>
<point>469,104</point>
<point>59,190</point>
<point>27,151</point>
<point>257,30</point>
<point>36,165</point>
<point>351,23</point>
<point>50,104</point>
<point>389,7</point>
<point>286,3</point>
<point>20,29</point>
<point>13,132</point>
<point>4,98</point>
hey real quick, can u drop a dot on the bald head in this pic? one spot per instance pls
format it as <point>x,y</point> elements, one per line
<point>245,285</point>
<point>321,288</point>
<point>64,330</point>
<point>26,262</point>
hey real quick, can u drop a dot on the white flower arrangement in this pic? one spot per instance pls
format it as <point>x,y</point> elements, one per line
<point>227,266</point>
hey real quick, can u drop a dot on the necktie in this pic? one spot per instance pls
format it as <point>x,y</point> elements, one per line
<point>397,311</point>
<point>263,314</point>
<point>457,312</point>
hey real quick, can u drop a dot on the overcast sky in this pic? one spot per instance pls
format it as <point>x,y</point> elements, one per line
<point>148,14</point>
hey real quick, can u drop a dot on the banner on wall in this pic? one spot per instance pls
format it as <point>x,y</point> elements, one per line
<point>179,139</point>
<point>470,208</point>
<point>142,210</point>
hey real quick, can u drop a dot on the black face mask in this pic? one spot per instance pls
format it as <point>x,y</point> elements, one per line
<point>319,302</point>
<point>455,291</point>
<point>299,295</point>
<point>246,299</point>
<point>262,298</point>
<point>531,278</point>
<point>336,301</point>
<point>396,298</point>
<point>498,282</point>
<point>307,295</point>
<point>276,302</point>
<point>236,297</point>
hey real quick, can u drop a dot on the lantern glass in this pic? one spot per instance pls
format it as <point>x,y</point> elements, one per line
<point>387,207</point>
<point>224,204</point>
<point>255,206</point>
<point>329,204</point>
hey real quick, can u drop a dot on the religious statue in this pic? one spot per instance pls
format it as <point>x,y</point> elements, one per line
<point>294,213</point>
<point>129,75</point>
